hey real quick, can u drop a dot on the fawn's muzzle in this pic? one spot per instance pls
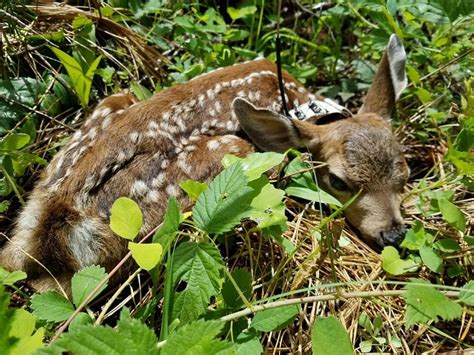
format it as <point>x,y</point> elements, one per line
<point>393,236</point>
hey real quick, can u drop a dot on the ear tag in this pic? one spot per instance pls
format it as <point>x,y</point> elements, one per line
<point>316,107</point>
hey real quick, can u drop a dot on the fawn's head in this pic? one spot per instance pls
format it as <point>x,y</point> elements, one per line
<point>360,152</point>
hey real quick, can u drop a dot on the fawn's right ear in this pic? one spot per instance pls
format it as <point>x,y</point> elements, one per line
<point>389,81</point>
<point>271,131</point>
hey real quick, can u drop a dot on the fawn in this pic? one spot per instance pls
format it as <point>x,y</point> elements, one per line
<point>144,149</point>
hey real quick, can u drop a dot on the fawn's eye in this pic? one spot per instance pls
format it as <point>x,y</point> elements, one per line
<point>337,183</point>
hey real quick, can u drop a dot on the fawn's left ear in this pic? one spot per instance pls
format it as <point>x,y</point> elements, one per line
<point>271,131</point>
<point>389,81</point>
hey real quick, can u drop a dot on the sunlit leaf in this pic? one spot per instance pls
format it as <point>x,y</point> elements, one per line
<point>126,218</point>
<point>146,255</point>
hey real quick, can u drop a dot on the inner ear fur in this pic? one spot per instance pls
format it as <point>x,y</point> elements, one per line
<point>389,81</point>
<point>271,131</point>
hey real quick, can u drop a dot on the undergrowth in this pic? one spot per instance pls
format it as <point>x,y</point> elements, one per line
<point>261,262</point>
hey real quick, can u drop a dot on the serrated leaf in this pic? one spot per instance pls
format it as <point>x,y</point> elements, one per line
<point>224,202</point>
<point>131,337</point>
<point>126,218</point>
<point>329,337</point>
<point>393,264</point>
<point>193,188</point>
<point>200,266</point>
<point>9,278</point>
<point>243,279</point>
<point>425,303</point>
<point>415,237</point>
<point>84,281</point>
<point>254,165</point>
<point>51,306</point>
<point>466,295</point>
<point>452,214</point>
<point>197,338</point>
<point>431,259</point>
<point>275,318</point>
<point>318,195</point>
<point>146,255</point>
<point>171,221</point>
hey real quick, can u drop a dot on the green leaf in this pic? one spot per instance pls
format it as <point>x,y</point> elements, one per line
<point>248,343</point>
<point>267,207</point>
<point>126,218</point>
<point>329,337</point>
<point>318,195</point>
<point>30,344</point>
<point>224,202</point>
<point>447,245</point>
<point>131,337</point>
<point>424,95</point>
<point>14,141</point>
<point>141,92</point>
<point>393,264</point>
<point>245,11</point>
<point>171,221</point>
<point>9,278</point>
<point>84,281</point>
<point>466,295</point>
<point>197,338</point>
<point>425,303</point>
<point>231,296</point>
<point>51,306</point>
<point>200,266</point>
<point>254,165</point>
<point>431,259</point>
<point>146,255</point>
<point>22,324</point>
<point>452,214</point>
<point>193,188</point>
<point>415,237</point>
<point>274,319</point>
<point>81,80</point>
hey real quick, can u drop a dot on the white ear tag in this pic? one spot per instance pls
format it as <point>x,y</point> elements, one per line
<point>316,108</point>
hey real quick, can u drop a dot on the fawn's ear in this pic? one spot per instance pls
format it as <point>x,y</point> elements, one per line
<point>389,81</point>
<point>269,130</point>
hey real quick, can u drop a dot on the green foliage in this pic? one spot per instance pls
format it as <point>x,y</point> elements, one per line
<point>241,284</point>
<point>197,338</point>
<point>51,306</point>
<point>126,218</point>
<point>329,337</point>
<point>147,256</point>
<point>200,265</point>
<point>85,281</point>
<point>193,188</point>
<point>275,318</point>
<point>393,264</point>
<point>171,221</point>
<point>425,303</point>
<point>9,278</point>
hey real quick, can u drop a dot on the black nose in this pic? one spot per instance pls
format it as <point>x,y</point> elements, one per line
<point>393,236</point>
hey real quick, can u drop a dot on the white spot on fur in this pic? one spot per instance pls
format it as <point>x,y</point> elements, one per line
<point>92,133</point>
<point>159,180</point>
<point>134,137</point>
<point>213,144</point>
<point>84,242</point>
<point>153,196</point>
<point>165,163</point>
<point>139,188</point>
<point>172,190</point>
<point>106,122</point>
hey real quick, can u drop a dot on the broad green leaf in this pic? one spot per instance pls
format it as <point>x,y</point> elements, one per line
<point>130,337</point>
<point>267,207</point>
<point>84,281</point>
<point>22,324</point>
<point>200,266</point>
<point>254,165</point>
<point>224,202</point>
<point>6,316</point>
<point>171,221</point>
<point>274,319</point>
<point>248,343</point>
<point>9,278</point>
<point>431,259</point>
<point>425,303</point>
<point>30,344</point>
<point>141,92</point>
<point>415,237</point>
<point>452,214</point>
<point>197,338</point>
<point>231,296</point>
<point>126,218</point>
<point>319,195</point>
<point>14,141</point>
<point>245,11</point>
<point>329,337</point>
<point>80,319</point>
<point>146,255</point>
<point>299,175</point>
<point>447,245</point>
<point>466,295</point>
<point>193,188</point>
<point>393,264</point>
<point>51,306</point>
